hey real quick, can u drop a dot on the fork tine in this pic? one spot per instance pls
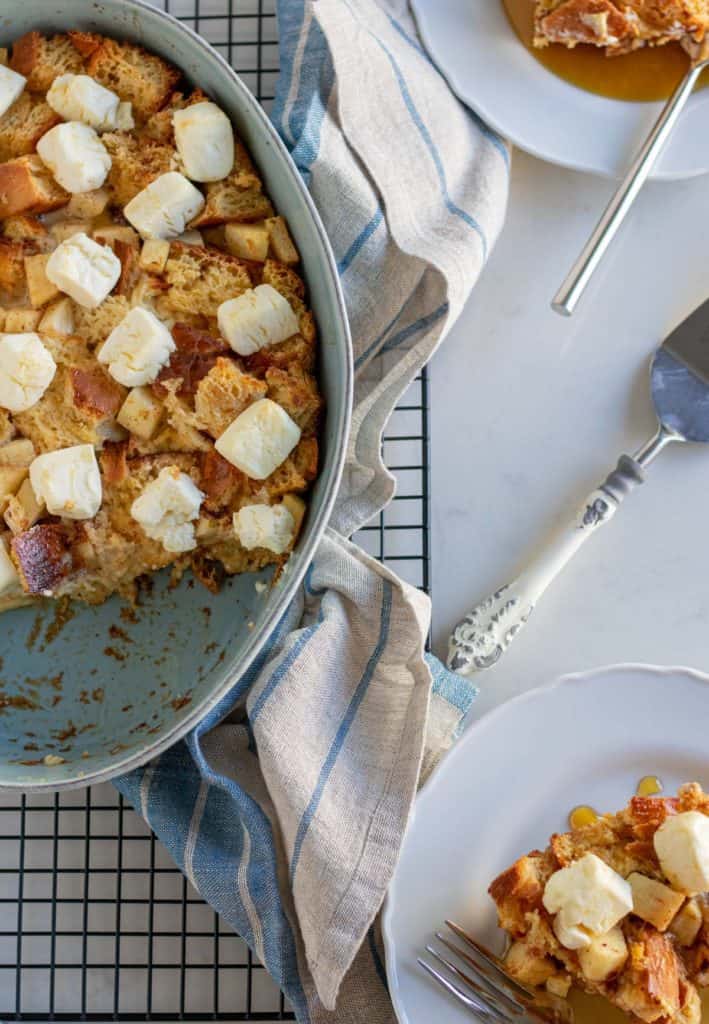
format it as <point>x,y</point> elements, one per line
<point>510,1012</point>
<point>492,990</point>
<point>478,1009</point>
<point>491,960</point>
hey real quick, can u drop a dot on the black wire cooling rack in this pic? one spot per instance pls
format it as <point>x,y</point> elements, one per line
<point>96,923</point>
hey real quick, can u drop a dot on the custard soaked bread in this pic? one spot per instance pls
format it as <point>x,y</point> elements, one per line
<point>158,400</point>
<point>620,25</point>
<point>617,908</point>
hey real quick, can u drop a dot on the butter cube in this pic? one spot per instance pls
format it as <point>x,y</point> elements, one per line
<point>682,847</point>
<point>259,439</point>
<point>589,895</point>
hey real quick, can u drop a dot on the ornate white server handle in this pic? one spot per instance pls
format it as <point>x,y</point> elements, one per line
<point>482,637</point>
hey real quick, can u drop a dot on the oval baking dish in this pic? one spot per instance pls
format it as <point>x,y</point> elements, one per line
<point>106,691</point>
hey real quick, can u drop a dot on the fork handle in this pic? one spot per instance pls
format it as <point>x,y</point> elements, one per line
<point>481,638</point>
<point>572,289</point>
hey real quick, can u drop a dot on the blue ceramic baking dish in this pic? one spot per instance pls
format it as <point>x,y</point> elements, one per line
<point>108,688</point>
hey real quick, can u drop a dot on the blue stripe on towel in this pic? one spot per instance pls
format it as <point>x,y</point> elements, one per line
<point>423,131</point>
<point>301,638</point>
<point>361,240</point>
<point>492,137</point>
<point>408,332</point>
<point>345,725</point>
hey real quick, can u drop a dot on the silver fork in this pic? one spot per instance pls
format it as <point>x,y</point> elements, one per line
<point>485,988</point>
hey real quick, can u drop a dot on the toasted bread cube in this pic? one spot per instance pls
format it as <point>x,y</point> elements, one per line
<point>18,453</point>
<point>26,186</point>
<point>686,925</point>
<point>4,55</point>
<point>58,319</point>
<point>247,241</point>
<point>25,227</point>
<point>86,205</point>
<point>20,321</point>
<point>653,901</point>
<point>528,966</point>
<point>558,985</point>
<point>116,233</point>
<point>605,956</point>
<point>11,478</point>
<point>296,506</point>
<point>154,255</point>
<point>282,245</point>
<point>64,229</point>
<point>23,509</point>
<point>41,290</point>
<point>141,413</point>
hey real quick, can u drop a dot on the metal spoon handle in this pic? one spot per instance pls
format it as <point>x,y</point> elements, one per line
<point>572,289</point>
<point>482,637</point>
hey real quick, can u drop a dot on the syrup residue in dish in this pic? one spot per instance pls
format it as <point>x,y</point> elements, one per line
<point>594,1010</point>
<point>582,815</point>
<point>647,74</point>
<point>649,785</point>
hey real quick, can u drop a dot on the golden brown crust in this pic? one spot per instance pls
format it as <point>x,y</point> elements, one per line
<point>43,556</point>
<point>26,187</point>
<point>619,26</point>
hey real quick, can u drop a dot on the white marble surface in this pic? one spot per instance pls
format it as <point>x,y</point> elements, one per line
<point>530,410</point>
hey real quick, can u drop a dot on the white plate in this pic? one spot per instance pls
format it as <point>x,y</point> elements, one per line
<point>486,65</point>
<point>511,781</point>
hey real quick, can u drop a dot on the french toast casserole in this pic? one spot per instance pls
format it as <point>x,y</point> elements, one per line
<point>158,398</point>
<point>620,25</point>
<point>617,908</point>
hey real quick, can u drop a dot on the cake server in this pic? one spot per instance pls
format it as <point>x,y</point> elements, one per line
<point>679,374</point>
<point>567,298</point>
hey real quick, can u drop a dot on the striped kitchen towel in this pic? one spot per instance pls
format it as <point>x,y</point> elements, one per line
<point>288,814</point>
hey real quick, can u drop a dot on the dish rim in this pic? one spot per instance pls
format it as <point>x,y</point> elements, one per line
<point>469,736</point>
<point>317,518</point>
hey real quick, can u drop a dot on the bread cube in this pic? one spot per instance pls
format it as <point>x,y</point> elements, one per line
<point>605,956</point>
<point>11,478</point>
<point>17,453</point>
<point>247,241</point>
<point>141,413</point>
<point>23,509</point>
<point>41,290</point>
<point>64,229</point>
<point>527,966</point>
<point>20,321</point>
<point>154,254</point>
<point>87,205</point>
<point>58,319</point>
<point>282,246</point>
<point>685,926</point>
<point>116,233</point>
<point>558,985</point>
<point>26,185</point>
<point>653,901</point>
<point>4,55</point>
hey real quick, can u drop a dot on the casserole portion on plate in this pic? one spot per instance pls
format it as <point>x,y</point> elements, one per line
<point>620,25</point>
<point>158,398</point>
<point>618,908</point>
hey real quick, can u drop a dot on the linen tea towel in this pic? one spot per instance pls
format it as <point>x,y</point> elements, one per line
<point>288,817</point>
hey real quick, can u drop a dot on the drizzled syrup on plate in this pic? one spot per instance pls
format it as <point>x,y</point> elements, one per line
<point>647,74</point>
